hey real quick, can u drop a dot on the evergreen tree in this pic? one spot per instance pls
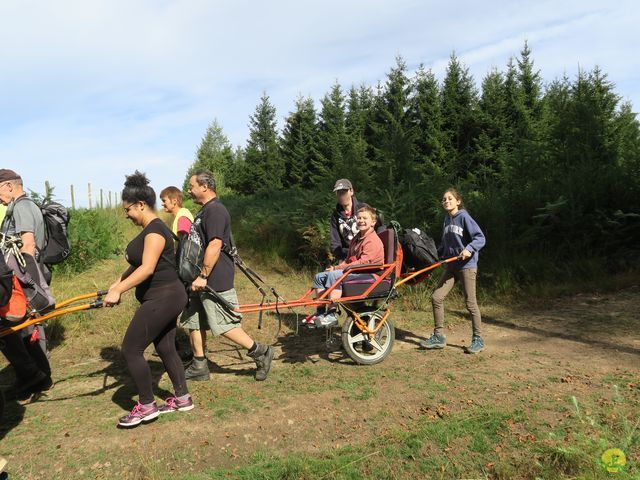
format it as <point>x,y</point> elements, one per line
<point>264,166</point>
<point>214,154</point>
<point>332,138</point>
<point>425,126</point>
<point>458,99</point>
<point>298,144</point>
<point>392,159</point>
<point>530,83</point>
<point>493,139</point>
<point>356,165</point>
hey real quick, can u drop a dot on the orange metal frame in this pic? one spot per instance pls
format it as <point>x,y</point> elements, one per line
<point>61,308</point>
<point>386,271</point>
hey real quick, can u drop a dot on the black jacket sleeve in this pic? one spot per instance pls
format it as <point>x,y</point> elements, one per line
<point>336,241</point>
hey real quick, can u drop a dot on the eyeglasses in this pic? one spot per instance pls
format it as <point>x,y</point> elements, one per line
<point>126,209</point>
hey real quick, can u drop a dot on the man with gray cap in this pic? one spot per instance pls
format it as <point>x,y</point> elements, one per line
<point>24,219</point>
<point>343,219</point>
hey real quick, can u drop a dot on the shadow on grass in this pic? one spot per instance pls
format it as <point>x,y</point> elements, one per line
<point>116,377</point>
<point>574,337</point>
<point>11,411</point>
<point>308,345</point>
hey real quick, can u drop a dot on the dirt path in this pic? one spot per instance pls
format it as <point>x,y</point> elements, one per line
<point>317,400</point>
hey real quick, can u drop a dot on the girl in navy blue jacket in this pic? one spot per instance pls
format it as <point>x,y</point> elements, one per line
<point>462,238</point>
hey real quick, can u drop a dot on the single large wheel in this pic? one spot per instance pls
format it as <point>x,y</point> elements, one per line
<point>364,348</point>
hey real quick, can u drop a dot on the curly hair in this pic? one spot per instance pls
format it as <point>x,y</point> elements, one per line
<point>137,189</point>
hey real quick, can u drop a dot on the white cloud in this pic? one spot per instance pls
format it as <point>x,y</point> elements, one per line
<point>92,90</point>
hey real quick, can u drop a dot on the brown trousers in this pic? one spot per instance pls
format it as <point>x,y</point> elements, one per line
<point>447,281</point>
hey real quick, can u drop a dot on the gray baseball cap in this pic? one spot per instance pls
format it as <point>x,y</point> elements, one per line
<point>342,184</point>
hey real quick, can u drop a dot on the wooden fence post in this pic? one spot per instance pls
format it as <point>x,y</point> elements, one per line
<point>90,205</point>
<point>73,199</point>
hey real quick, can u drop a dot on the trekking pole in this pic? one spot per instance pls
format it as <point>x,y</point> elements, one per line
<point>223,302</point>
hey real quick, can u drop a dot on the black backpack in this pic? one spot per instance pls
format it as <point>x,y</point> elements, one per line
<point>190,253</point>
<point>6,282</point>
<point>56,220</point>
<point>419,250</point>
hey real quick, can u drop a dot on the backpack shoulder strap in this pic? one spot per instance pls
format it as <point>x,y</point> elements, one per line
<point>9,218</point>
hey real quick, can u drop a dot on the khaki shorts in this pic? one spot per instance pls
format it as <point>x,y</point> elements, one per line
<point>203,310</point>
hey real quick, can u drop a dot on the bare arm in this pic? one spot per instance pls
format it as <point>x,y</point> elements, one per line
<point>127,273</point>
<point>211,256</point>
<point>28,243</point>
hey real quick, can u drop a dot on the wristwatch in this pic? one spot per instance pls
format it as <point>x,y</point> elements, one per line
<point>203,276</point>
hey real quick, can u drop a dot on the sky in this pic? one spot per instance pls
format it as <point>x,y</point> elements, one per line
<point>92,90</point>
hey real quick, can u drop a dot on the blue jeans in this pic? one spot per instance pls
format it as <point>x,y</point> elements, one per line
<point>324,280</point>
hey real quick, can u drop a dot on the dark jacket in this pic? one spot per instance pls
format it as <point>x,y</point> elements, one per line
<point>343,229</point>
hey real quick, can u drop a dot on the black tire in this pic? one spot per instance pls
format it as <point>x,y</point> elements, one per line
<point>355,341</point>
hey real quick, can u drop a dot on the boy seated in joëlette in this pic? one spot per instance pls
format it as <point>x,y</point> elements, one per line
<point>365,248</point>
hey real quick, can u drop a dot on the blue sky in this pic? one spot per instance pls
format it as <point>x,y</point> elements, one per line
<point>92,90</point>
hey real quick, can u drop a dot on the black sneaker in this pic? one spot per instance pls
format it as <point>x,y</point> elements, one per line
<point>262,355</point>
<point>198,370</point>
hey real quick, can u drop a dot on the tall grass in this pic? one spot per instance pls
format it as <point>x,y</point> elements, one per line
<point>95,235</point>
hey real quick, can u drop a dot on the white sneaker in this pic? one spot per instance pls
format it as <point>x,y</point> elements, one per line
<point>327,320</point>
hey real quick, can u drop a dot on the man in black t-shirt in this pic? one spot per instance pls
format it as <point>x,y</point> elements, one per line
<point>212,226</point>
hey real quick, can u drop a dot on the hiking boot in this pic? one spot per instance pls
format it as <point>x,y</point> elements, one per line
<point>477,345</point>
<point>198,370</point>
<point>139,414</point>
<point>174,404</point>
<point>262,355</point>
<point>434,342</point>
<point>327,320</point>
<point>22,389</point>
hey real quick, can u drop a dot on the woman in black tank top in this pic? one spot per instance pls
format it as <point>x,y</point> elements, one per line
<point>162,298</point>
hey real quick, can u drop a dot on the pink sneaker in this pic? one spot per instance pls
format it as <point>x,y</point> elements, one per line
<point>173,404</point>
<point>139,414</point>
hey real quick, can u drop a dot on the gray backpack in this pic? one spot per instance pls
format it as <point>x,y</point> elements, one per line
<point>33,283</point>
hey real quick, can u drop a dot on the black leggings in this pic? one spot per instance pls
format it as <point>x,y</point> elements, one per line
<point>155,321</point>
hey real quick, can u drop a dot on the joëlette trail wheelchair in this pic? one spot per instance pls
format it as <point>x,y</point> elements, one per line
<point>368,332</point>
